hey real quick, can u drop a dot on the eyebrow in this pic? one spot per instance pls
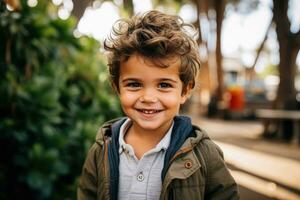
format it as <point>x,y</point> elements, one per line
<point>159,80</point>
<point>130,79</point>
<point>167,79</point>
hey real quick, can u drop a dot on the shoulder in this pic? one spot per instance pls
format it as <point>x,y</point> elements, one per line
<point>103,135</point>
<point>205,143</point>
<point>94,153</point>
<point>208,152</point>
<point>210,148</point>
<point>105,131</point>
<point>220,184</point>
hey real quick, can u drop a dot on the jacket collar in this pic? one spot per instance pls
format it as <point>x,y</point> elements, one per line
<point>105,131</point>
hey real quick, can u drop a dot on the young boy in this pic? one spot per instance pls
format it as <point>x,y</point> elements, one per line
<point>153,153</point>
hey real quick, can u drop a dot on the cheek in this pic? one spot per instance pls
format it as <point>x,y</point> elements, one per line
<point>173,100</point>
<point>127,99</point>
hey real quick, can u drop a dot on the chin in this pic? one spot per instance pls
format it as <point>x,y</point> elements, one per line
<point>149,125</point>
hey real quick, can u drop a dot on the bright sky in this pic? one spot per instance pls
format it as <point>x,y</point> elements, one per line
<point>97,22</point>
<point>241,33</point>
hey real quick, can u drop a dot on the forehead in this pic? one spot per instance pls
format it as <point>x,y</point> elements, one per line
<point>137,64</point>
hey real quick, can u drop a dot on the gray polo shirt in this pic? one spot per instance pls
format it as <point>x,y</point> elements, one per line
<point>141,179</point>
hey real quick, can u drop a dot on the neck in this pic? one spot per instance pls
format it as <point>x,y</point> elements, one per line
<point>152,136</point>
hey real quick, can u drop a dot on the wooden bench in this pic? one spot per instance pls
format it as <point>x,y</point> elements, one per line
<point>279,115</point>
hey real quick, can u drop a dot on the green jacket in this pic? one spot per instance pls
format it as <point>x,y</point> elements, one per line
<point>197,171</point>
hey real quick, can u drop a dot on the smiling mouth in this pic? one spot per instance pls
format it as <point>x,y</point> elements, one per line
<point>149,111</point>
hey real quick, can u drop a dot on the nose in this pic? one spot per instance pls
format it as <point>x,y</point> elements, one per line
<point>148,96</point>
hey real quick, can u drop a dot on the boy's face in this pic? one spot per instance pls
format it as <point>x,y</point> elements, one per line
<point>150,95</point>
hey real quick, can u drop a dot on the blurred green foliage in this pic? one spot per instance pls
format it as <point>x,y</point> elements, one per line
<point>54,94</point>
<point>270,69</point>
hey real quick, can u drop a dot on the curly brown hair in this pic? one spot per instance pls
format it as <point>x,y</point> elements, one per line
<point>155,36</point>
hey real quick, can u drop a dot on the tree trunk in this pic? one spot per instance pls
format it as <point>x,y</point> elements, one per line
<point>286,93</point>
<point>288,49</point>
<point>289,44</point>
<point>219,8</point>
<point>197,23</point>
<point>79,8</point>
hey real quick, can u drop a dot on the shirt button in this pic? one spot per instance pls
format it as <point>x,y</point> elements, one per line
<point>140,177</point>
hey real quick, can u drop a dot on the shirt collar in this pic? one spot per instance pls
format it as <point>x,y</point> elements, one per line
<point>165,141</point>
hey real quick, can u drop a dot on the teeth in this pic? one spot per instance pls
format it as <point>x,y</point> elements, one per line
<point>149,111</point>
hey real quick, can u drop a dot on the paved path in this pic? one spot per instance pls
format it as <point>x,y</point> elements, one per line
<point>269,167</point>
<point>279,169</point>
<point>247,134</point>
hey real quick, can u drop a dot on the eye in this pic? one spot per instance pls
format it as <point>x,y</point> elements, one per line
<point>164,85</point>
<point>134,85</point>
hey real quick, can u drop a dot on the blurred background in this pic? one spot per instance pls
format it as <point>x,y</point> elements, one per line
<point>54,89</point>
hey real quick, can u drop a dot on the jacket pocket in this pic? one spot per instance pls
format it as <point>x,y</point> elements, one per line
<point>191,188</point>
<point>187,192</point>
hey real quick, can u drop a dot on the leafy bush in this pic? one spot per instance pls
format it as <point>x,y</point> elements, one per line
<point>54,94</point>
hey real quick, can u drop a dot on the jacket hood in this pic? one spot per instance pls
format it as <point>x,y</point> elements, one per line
<point>105,131</point>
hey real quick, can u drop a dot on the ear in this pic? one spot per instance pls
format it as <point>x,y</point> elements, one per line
<point>186,92</point>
